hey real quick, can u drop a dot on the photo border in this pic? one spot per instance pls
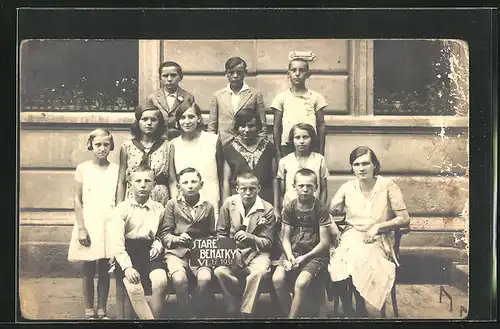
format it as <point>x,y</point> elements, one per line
<point>477,27</point>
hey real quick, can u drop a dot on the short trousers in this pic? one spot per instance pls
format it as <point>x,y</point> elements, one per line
<point>314,266</point>
<point>175,264</point>
<point>138,251</point>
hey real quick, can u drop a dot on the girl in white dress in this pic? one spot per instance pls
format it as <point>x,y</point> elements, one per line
<point>200,150</point>
<point>95,190</point>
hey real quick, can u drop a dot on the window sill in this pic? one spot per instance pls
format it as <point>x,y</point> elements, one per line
<point>397,121</point>
<point>330,120</point>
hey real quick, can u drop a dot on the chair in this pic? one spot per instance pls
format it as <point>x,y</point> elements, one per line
<point>398,233</point>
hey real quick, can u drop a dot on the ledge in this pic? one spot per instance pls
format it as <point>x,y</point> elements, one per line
<point>330,120</point>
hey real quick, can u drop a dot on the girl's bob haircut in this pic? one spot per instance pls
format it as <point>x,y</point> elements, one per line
<point>245,116</point>
<point>159,132</point>
<point>100,132</point>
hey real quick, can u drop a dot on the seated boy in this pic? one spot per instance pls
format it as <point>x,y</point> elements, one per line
<point>305,242</point>
<point>186,218</point>
<point>249,220</point>
<point>132,234</point>
<point>295,105</point>
<point>169,96</point>
<point>228,101</point>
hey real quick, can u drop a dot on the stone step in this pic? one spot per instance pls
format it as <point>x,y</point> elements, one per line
<point>418,264</point>
<point>459,276</point>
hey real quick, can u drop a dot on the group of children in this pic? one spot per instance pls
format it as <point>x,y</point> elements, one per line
<point>176,182</point>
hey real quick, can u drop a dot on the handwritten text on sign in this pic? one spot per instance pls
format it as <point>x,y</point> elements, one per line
<point>213,252</point>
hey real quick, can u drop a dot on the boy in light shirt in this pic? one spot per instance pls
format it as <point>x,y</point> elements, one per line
<point>298,104</point>
<point>136,250</point>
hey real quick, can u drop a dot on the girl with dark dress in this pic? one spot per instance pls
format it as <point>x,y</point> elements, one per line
<point>250,152</point>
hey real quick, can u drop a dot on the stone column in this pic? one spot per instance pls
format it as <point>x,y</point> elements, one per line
<point>149,61</point>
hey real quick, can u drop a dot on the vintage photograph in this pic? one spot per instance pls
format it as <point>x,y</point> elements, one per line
<point>243,179</point>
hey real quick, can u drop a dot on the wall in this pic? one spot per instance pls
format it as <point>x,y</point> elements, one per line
<point>426,156</point>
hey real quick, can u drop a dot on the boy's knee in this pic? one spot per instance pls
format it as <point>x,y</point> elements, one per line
<point>204,282</point>
<point>204,277</point>
<point>221,271</point>
<point>133,289</point>
<point>302,283</point>
<point>179,278</point>
<point>159,280</point>
<point>259,271</point>
<point>279,275</point>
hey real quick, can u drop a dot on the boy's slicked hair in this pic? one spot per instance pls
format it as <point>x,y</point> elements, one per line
<point>298,59</point>
<point>247,175</point>
<point>188,170</point>
<point>235,61</point>
<point>100,132</point>
<point>142,168</point>
<point>170,63</point>
<point>307,173</point>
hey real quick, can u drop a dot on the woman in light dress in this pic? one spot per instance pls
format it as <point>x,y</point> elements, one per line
<point>200,150</point>
<point>374,208</point>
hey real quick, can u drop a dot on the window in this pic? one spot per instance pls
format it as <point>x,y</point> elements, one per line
<point>412,77</point>
<point>79,75</point>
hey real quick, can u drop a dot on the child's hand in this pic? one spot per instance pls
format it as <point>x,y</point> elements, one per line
<point>153,253</point>
<point>299,260</point>
<point>83,237</point>
<point>242,236</point>
<point>288,265</point>
<point>185,238</point>
<point>132,275</point>
<point>277,215</point>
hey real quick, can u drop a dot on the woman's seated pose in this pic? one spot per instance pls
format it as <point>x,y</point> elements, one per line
<point>374,208</point>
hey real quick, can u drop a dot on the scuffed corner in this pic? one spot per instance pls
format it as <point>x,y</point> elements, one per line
<point>465,215</point>
<point>458,51</point>
<point>28,303</point>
